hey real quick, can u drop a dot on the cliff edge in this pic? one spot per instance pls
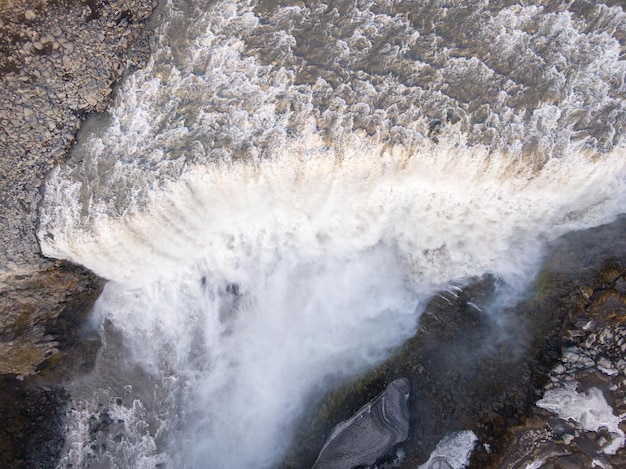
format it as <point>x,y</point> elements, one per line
<point>59,62</point>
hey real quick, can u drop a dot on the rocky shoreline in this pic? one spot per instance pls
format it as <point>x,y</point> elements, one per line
<point>60,61</point>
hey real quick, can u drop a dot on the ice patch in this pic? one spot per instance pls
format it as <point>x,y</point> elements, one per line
<point>589,409</point>
<point>454,449</point>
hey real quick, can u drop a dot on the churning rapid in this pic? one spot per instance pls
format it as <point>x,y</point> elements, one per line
<point>276,194</point>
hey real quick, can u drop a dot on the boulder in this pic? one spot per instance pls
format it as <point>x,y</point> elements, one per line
<point>370,433</point>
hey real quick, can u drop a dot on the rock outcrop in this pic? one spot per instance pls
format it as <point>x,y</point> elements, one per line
<point>579,422</point>
<point>478,367</point>
<point>41,314</point>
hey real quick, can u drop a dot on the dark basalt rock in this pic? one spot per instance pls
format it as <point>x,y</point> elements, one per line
<point>371,432</point>
<point>31,435</point>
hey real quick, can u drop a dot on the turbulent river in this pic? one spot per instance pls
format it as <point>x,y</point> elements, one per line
<point>276,195</point>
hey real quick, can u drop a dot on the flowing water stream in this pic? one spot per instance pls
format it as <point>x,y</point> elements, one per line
<point>276,195</point>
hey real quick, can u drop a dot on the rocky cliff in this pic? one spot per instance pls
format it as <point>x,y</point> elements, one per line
<point>59,63</point>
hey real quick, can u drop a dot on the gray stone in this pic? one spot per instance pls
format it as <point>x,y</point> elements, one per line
<point>606,366</point>
<point>371,432</point>
<point>571,357</point>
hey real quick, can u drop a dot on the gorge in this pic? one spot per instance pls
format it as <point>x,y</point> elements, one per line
<point>280,192</point>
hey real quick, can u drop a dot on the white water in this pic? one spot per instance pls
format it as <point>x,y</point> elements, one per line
<point>260,245</point>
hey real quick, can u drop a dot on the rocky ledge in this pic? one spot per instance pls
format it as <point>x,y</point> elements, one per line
<point>371,432</point>
<point>579,421</point>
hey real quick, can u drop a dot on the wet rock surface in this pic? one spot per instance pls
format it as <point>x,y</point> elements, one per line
<point>37,356</point>
<point>579,421</point>
<point>458,379</point>
<point>31,434</point>
<point>479,366</point>
<point>42,316</point>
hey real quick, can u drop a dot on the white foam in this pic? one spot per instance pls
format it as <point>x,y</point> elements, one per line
<point>135,446</point>
<point>451,211</point>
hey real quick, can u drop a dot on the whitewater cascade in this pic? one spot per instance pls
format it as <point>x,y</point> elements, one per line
<point>275,196</point>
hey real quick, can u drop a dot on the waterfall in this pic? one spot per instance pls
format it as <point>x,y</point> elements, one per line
<point>276,195</point>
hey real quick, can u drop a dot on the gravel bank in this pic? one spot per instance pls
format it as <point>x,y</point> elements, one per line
<point>59,61</point>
